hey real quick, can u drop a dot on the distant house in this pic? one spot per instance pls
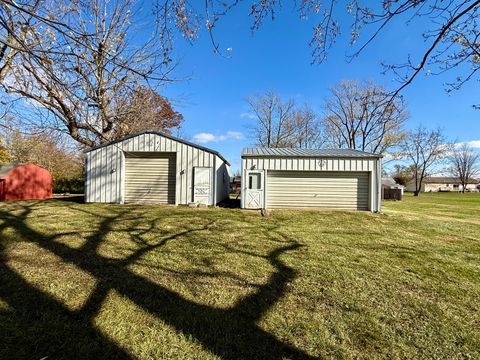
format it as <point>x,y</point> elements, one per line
<point>440,183</point>
<point>24,182</point>
<point>389,183</point>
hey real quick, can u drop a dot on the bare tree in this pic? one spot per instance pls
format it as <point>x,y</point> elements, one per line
<point>82,76</point>
<point>274,123</point>
<point>362,116</point>
<point>280,124</point>
<point>423,149</point>
<point>35,29</point>
<point>308,131</point>
<point>464,164</point>
<point>17,23</point>
<point>449,29</point>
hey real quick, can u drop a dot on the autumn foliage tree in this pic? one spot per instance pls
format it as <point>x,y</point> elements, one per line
<point>146,109</point>
<point>45,150</point>
<point>4,155</point>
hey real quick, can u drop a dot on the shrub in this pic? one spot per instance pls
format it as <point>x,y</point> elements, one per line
<point>72,186</point>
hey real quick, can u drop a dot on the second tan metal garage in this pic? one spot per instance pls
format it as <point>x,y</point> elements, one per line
<point>300,178</point>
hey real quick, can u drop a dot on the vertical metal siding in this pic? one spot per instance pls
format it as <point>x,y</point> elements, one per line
<point>371,166</point>
<point>105,167</point>
<point>87,180</point>
<point>189,177</point>
<point>221,170</point>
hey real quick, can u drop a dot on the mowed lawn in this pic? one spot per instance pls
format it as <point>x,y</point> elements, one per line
<point>152,282</point>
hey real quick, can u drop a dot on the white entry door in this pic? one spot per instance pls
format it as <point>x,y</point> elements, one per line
<point>254,189</point>
<point>202,178</point>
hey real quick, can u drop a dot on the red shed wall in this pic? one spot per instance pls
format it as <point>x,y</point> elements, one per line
<point>2,190</point>
<point>26,182</point>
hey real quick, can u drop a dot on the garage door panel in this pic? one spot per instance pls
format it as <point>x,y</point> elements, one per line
<point>332,190</point>
<point>141,183</point>
<point>150,178</point>
<point>314,205</point>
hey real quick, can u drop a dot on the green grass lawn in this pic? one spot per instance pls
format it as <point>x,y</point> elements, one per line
<point>150,282</point>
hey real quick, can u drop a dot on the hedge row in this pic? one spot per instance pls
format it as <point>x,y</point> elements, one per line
<point>71,186</point>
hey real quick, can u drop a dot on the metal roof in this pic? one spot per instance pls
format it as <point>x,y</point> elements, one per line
<point>291,152</point>
<point>171,137</point>
<point>388,180</point>
<point>5,168</point>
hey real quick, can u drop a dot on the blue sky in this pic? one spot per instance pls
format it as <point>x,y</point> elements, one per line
<point>278,57</point>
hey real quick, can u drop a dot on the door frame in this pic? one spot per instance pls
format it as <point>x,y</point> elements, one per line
<point>261,190</point>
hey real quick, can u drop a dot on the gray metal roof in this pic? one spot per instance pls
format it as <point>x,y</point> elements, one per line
<point>388,180</point>
<point>290,152</point>
<point>171,137</point>
<point>5,168</point>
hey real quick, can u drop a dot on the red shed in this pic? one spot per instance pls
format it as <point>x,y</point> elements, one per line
<point>25,182</point>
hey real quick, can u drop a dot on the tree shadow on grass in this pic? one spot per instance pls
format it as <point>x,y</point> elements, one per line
<point>46,327</point>
<point>230,203</point>
<point>73,198</point>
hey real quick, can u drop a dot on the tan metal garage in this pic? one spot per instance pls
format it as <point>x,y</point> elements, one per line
<point>310,178</point>
<point>154,167</point>
<point>332,190</point>
<point>150,178</point>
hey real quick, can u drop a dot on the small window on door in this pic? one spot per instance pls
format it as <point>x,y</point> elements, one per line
<point>254,181</point>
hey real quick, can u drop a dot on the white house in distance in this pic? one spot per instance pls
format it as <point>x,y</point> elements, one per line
<point>153,167</point>
<point>303,178</point>
<point>441,184</point>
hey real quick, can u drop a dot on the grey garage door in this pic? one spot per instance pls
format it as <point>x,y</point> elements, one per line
<point>150,178</point>
<point>331,190</point>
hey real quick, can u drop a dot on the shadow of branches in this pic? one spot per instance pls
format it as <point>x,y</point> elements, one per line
<point>230,333</point>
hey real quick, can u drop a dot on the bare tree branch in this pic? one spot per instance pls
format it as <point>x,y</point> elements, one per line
<point>364,117</point>
<point>83,76</point>
<point>464,164</point>
<point>279,124</point>
<point>423,149</point>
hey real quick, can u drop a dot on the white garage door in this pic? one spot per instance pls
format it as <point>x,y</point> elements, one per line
<point>331,190</point>
<point>150,178</point>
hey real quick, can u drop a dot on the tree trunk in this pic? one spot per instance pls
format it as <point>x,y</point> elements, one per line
<point>416,193</point>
